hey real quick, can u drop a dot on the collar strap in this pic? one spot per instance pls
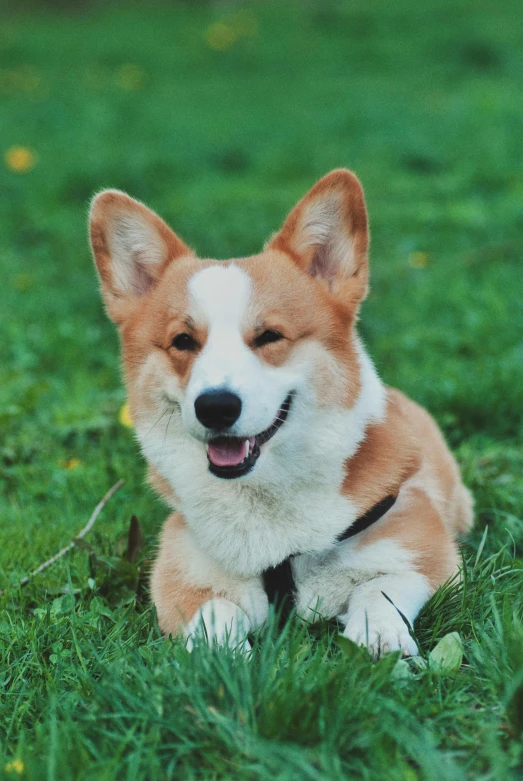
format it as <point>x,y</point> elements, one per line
<point>278,581</point>
<point>371,516</point>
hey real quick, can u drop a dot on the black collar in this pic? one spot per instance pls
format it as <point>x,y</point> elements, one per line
<point>278,581</point>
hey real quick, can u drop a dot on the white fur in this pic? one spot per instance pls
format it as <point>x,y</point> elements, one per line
<point>326,580</point>
<point>219,622</point>
<point>373,621</point>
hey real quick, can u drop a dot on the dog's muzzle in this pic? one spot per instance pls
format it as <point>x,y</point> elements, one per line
<point>231,457</point>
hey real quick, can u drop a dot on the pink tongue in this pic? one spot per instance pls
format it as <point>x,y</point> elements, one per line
<point>227,451</point>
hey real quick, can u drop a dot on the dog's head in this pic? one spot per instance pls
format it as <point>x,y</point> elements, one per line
<point>228,358</point>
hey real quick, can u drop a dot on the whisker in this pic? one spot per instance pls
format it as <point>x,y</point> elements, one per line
<point>167,427</point>
<point>154,424</point>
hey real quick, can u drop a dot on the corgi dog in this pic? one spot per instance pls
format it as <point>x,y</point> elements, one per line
<point>295,475</point>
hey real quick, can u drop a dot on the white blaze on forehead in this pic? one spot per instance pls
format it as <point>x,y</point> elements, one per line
<point>220,297</point>
<point>222,294</point>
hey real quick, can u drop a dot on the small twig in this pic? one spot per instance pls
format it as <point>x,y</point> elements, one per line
<point>89,525</point>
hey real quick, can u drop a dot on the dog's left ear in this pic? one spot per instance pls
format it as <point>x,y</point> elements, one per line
<point>327,235</point>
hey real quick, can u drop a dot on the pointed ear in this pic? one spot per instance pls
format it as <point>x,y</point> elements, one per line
<point>327,234</point>
<point>132,247</point>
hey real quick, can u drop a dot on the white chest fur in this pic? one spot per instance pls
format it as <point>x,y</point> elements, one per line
<point>290,504</point>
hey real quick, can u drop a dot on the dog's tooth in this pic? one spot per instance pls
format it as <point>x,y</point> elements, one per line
<point>247,448</point>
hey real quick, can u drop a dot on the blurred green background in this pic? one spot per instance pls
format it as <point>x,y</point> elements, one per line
<point>220,116</point>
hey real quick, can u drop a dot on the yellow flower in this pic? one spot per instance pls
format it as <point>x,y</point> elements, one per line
<point>17,765</point>
<point>70,463</point>
<point>130,76</point>
<point>418,260</point>
<point>19,159</point>
<point>28,79</point>
<point>125,416</point>
<point>220,36</point>
<point>245,22</point>
<point>23,282</point>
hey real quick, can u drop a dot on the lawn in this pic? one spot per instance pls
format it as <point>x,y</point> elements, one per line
<point>220,116</point>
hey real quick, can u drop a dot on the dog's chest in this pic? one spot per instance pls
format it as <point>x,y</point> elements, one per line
<point>258,530</point>
<point>292,505</point>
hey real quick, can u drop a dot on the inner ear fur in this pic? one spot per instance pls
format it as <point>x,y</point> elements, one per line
<point>131,246</point>
<point>327,234</point>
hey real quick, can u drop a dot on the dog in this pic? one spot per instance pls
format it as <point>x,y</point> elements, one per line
<point>297,477</point>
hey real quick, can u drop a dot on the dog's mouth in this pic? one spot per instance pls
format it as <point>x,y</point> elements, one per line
<point>231,457</point>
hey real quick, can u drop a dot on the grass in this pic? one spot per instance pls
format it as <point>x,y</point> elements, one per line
<point>221,117</point>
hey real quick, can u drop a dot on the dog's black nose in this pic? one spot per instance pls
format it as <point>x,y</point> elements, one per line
<point>218,408</point>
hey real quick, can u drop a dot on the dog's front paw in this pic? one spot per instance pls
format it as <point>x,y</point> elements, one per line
<point>380,637</point>
<point>377,625</point>
<point>219,622</point>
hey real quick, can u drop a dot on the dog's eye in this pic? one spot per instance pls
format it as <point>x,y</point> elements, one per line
<point>184,342</point>
<point>267,337</point>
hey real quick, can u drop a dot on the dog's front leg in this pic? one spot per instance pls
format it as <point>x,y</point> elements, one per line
<point>195,597</point>
<point>219,622</point>
<point>399,563</point>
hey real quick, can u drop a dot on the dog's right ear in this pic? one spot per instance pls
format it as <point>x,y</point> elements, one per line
<point>132,247</point>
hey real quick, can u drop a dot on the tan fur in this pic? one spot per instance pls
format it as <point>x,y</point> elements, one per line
<point>389,453</point>
<point>161,486</point>
<point>408,452</point>
<point>175,599</point>
<point>280,290</point>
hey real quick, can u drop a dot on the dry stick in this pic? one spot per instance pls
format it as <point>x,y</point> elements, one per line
<point>96,512</point>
